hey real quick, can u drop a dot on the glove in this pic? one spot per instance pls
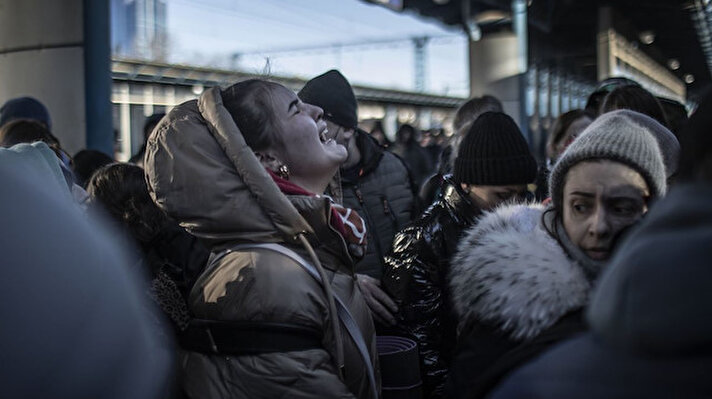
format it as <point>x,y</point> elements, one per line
<point>382,306</point>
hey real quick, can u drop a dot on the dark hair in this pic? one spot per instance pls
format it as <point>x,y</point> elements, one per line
<point>595,99</point>
<point>634,98</point>
<point>151,123</point>
<point>86,162</point>
<point>121,189</point>
<point>675,114</point>
<point>25,131</point>
<point>29,131</point>
<point>559,128</point>
<point>383,139</point>
<point>473,108</point>
<point>593,103</point>
<point>696,143</point>
<point>406,129</point>
<point>250,104</point>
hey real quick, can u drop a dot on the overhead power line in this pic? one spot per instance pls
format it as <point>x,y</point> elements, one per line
<point>401,41</point>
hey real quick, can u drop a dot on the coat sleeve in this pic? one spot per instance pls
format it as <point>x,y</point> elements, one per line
<point>413,277</point>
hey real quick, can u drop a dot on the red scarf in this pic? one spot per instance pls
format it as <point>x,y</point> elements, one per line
<point>344,220</point>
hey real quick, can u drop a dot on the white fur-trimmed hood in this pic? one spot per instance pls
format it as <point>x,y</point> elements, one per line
<point>510,273</point>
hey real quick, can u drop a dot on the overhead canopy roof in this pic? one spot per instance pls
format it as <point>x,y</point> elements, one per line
<point>185,75</point>
<point>564,31</point>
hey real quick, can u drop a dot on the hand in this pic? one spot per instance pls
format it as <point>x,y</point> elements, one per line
<point>382,306</point>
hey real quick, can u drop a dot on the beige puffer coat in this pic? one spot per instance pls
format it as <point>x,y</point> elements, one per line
<point>201,172</point>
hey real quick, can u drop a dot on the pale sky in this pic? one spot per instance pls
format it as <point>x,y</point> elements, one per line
<point>209,32</point>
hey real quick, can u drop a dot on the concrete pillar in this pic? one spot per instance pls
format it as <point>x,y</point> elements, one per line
<point>425,118</point>
<point>494,70</point>
<point>498,64</point>
<point>45,53</point>
<point>124,122</point>
<point>390,122</point>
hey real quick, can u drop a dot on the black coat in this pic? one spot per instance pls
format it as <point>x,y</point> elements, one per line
<point>417,159</point>
<point>650,316</point>
<point>381,190</point>
<point>415,277</point>
<point>484,355</point>
<point>430,189</point>
<point>181,255</point>
<point>175,259</point>
<point>516,291</point>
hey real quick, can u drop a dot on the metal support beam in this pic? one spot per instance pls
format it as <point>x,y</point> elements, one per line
<point>519,22</point>
<point>420,56</point>
<point>97,76</point>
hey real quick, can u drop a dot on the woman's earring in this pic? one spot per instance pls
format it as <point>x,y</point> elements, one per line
<point>283,172</point>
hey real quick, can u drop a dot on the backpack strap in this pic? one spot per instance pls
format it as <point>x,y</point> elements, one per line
<point>343,313</point>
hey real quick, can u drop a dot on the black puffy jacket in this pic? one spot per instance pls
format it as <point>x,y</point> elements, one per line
<point>416,277</point>
<point>380,189</point>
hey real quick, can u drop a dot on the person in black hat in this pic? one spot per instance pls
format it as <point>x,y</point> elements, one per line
<point>372,181</point>
<point>493,165</point>
<point>464,116</point>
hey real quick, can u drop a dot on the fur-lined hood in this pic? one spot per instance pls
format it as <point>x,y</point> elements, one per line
<point>510,273</point>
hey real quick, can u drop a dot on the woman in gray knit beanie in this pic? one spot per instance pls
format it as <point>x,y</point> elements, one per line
<point>523,273</point>
<point>604,183</point>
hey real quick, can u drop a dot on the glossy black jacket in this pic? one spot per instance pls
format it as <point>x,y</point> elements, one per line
<point>416,278</point>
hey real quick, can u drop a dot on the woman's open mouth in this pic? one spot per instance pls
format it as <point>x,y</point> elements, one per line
<point>323,136</point>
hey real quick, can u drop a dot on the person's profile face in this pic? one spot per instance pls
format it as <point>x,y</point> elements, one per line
<point>306,147</point>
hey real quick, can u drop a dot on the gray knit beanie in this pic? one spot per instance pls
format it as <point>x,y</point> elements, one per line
<point>616,136</point>
<point>667,142</point>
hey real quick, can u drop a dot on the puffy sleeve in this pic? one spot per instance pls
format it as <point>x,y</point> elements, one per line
<point>414,278</point>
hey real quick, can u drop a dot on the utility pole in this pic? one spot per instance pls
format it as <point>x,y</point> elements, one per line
<point>419,48</point>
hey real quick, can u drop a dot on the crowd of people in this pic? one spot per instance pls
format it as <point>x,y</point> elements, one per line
<point>261,244</point>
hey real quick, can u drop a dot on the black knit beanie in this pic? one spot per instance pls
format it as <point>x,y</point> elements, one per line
<point>494,153</point>
<point>332,93</point>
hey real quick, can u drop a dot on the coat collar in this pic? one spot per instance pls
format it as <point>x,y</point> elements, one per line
<point>510,273</point>
<point>591,267</point>
<point>457,200</point>
<point>371,154</point>
<point>316,210</point>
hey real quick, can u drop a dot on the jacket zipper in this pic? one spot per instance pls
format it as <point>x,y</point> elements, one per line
<point>374,233</point>
<point>389,212</point>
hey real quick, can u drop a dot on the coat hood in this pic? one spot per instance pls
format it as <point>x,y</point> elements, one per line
<point>655,296</point>
<point>510,273</point>
<point>201,172</point>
